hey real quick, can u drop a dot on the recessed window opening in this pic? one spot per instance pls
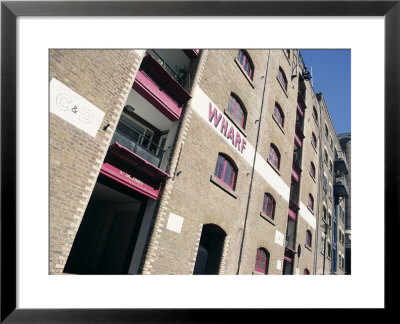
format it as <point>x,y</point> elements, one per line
<point>236,110</point>
<point>269,205</point>
<point>278,114</point>
<point>311,202</point>
<point>282,78</point>
<point>246,63</point>
<point>225,171</point>
<point>308,238</point>
<point>274,156</point>
<point>262,261</point>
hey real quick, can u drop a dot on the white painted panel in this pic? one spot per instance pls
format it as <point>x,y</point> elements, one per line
<point>75,109</point>
<point>307,215</point>
<point>175,223</point>
<point>279,238</point>
<point>200,104</point>
<point>279,264</point>
<point>139,52</point>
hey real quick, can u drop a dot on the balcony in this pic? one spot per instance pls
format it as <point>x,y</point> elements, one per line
<point>192,53</point>
<point>140,145</point>
<point>301,105</point>
<point>341,165</point>
<point>149,90</point>
<point>340,187</point>
<point>168,69</point>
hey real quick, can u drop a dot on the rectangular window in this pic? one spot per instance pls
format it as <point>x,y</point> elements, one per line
<point>323,244</point>
<point>329,250</point>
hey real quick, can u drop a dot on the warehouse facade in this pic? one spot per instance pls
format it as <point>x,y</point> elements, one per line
<point>188,162</point>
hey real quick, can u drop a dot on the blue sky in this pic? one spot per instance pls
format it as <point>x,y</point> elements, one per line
<point>331,71</point>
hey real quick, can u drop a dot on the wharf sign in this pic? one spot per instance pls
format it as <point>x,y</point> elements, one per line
<point>231,133</point>
<point>74,109</point>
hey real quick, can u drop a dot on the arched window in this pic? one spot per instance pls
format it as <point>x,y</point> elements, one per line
<point>262,261</point>
<point>326,131</point>
<point>274,156</point>
<point>269,205</point>
<point>311,202</point>
<point>225,171</point>
<point>308,238</point>
<point>282,78</point>
<point>278,114</point>
<point>246,63</point>
<point>306,272</point>
<point>313,140</point>
<point>236,110</point>
<point>312,170</point>
<point>287,53</point>
<point>315,114</point>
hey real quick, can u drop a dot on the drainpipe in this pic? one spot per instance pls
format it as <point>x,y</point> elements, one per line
<point>321,175</point>
<point>254,162</point>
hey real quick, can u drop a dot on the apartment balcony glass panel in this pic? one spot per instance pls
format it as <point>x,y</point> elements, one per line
<point>340,187</point>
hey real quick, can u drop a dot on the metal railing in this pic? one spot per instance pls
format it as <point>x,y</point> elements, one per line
<point>149,151</point>
<point>178,76</point>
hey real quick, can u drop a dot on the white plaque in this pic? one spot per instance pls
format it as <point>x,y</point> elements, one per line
<point>279,238</point>
<point>75,109</point>
<point>175,223</point>
<point>279,264</point>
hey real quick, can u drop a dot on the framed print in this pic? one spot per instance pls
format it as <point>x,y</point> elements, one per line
<point>34,35</point>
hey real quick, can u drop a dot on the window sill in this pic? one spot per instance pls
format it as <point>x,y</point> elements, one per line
<point>312,212</point>
<point>222,185</point>
<point>255,272</point>
<point>277,122</point>
<point>307,247</point>
<point>240,128</point>
<point>312,177</point>
<point>273,167</point>
<point>244,73</point>
<point>267,218</point>
<point>283,88</point>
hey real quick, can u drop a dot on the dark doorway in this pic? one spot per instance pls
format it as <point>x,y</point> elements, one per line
<point>106,238</point>
<point>210,250</point>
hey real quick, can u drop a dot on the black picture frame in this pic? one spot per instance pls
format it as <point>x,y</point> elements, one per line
<point>10,10</point>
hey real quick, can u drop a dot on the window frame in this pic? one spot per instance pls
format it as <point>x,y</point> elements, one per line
<point>269,198</point>
<point>262,253</point>
<point>310,199</point>
<point>227,161</point>
<point>281,118</point>
<point>275,157</point>
<point>282,79</point>
<point>308,239</point>
<point>312,170</point>
<point>238,103</point>
<point>314,140</point>
<point>315,114</point>
<point>246,59</point>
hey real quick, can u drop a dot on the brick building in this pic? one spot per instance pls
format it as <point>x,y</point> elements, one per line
<point>192,162</point>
